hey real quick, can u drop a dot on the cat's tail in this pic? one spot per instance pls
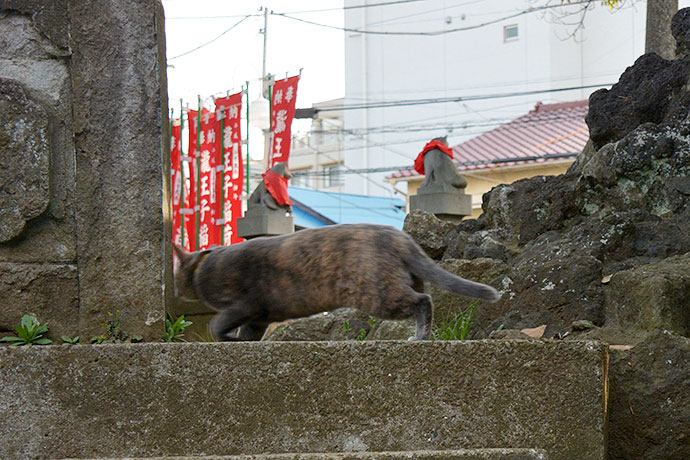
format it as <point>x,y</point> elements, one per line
<point>423,267</point>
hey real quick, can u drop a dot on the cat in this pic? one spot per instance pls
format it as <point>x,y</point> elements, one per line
<point>378,269</point>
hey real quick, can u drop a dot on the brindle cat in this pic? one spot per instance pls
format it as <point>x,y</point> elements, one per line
<point>375,268</point>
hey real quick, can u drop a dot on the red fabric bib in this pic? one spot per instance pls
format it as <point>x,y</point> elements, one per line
<point>277,187</point>
<point>419,161</point>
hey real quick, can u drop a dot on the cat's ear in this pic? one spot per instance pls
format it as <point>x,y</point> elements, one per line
<point>182,255</point>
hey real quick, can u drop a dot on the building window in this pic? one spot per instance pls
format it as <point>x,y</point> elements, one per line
<point>332,176</point>
<point>301,178</point>
<point>510,33</point>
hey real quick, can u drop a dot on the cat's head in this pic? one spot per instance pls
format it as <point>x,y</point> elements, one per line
<point>187,263</point>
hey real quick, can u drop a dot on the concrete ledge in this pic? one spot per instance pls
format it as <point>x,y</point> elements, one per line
<point>143,400</point>
<point>472,454</point>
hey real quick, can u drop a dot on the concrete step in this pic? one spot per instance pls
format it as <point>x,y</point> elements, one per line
<point>193,399</point>
<point>469,454</point>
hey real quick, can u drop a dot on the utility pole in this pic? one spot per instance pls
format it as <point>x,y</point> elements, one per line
<point>265,81</point>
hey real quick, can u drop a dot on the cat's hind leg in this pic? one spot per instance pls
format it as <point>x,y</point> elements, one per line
<point>411,304</point>
<point>250,332</point>
<point>423,316</point>
<point>225,321</point>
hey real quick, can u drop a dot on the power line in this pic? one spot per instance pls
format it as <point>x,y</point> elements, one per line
<point>322,10</point>
<point>505,122</point>
<point>211,41</point>
<point>352,7</point>
<point>551,156</point>
<point>443,100</point>
<point>436,32</point>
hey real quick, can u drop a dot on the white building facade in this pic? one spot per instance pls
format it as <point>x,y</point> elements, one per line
<point>316,157</point>
<point>504,61</point>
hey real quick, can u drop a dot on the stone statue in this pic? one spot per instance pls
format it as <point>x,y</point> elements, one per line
<point>271,194</point>
<point>443,191</point>
<point>435,161</point>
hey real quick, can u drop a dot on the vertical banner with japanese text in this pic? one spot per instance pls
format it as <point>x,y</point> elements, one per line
<point>282,113</point>
<point>189,173</point>
<point>209,203</point>
<point>176,180</point>
<point>229,109</point>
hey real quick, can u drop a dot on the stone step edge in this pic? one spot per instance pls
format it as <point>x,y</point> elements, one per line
<point>457,454</point>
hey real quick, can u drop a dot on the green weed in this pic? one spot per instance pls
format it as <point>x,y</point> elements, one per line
<point>455,326</point>
<point>174,331</point>
<point>29,332</point>
<point>67,341</point>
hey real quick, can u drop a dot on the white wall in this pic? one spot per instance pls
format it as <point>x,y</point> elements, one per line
<point>467,63</point>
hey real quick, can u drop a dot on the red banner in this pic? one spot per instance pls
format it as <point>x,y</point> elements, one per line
<point>208,201</point>
<point>282,113</point>
<point>176,180</point>
<point>189,173</point>
<point>229,110</point>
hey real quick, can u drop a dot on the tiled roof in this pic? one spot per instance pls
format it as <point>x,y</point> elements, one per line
<point>548,133</point>
<point>314,208</point>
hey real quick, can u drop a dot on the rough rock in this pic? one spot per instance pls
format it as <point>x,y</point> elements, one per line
<point>25,159</point>
<point>510,334</point>
<point>432,233</point>
<point>340,324</point>
<point>680,29</point>
<point>530,207</point>
<point>652,296</point>
<point>651,91</point>
<point>649,404</point>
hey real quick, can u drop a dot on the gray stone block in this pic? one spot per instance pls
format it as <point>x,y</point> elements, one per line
<point>145,400</point>
<point>465,454</point>
<point>445,205</point>
<point>122,152</point>
<point>25,159</point>
<point>270,224</point>
<point>50,291</point>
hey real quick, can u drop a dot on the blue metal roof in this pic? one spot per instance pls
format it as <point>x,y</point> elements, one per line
<point>313,208</point>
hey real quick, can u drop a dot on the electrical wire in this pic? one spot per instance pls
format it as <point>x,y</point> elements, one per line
<point>436,32</point>
<point>211,41</point>
<point>443,100</point>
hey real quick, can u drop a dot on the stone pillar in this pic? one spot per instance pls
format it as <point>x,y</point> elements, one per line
<point>122,143</point>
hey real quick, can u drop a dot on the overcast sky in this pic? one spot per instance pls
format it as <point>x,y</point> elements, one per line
<point>236,56</point>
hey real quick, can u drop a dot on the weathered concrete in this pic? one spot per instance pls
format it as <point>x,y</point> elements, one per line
<point>120,100</point>
<point>252,398</point>
<point>472,454</point>
<point>84,163</point>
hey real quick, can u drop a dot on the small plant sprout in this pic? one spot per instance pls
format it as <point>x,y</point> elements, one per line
<point>372,321</point>
<point>114,333</point>
<point>362,335</point>
<point>456,326</point>
<point>174,331</point>
<point>67,340</point>
<point>346,326</point>
<point>29,332</point>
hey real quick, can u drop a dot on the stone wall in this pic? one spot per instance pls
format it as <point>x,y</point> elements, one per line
<point>83,131</point>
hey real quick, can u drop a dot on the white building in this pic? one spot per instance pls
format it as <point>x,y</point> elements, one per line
<point>316,158</point>
<point>414,52</point>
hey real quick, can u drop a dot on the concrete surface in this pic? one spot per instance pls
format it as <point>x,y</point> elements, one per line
<point>252,398</point>
<point>471,454</point>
